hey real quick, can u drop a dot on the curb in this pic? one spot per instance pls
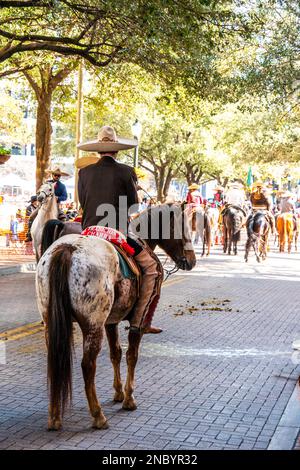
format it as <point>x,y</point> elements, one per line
<point>287,431</point>
<point>19,268</point>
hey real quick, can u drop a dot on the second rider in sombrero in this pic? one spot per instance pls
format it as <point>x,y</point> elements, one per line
<point>103,183</point>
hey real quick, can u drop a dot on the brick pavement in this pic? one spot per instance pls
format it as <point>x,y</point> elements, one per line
<point>15,256</point>
<point>17,305</point>
<point>218,377</point>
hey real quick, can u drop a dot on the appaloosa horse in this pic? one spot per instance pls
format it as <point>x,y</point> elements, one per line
<point>258,228</point>
<point>79,278</point>
<point>233,219</point>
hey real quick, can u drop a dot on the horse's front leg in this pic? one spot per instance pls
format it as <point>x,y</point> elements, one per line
<point>134,339</point>
<point>112,334</point>
<point>92,341</point>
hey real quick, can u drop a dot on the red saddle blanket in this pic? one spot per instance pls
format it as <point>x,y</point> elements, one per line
<point>111,235</point>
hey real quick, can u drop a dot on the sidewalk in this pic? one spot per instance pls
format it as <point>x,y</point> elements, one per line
<point>14,260</point>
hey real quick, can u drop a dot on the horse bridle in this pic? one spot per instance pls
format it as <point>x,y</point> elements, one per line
<point>46,196</point>
<point>169,272</point>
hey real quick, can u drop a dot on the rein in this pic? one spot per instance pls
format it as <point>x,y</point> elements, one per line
<point>169,272</point>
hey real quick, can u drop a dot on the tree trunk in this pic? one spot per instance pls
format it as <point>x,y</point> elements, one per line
<point>43,89</point>
<point>43,136</point>
<point>159,180</point>
<point>167,183</point>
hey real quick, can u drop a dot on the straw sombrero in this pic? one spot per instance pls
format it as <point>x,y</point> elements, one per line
<point>235,185</point>
<point>86,161</point>
<point>287,194</point>
<point>194,186</point>
<point>57,171</point>
<point>258,184</point>
<point>218,188</point>
<point>107,141</point>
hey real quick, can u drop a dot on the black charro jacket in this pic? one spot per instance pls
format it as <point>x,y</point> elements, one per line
<point>103,183</point>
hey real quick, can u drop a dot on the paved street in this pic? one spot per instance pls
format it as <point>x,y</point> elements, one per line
<point>220,376</point>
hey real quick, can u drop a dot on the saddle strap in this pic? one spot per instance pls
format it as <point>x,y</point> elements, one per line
<point>131,263</point>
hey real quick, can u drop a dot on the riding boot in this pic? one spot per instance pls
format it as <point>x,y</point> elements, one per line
<point>28,234</point>
<point>150,290</point>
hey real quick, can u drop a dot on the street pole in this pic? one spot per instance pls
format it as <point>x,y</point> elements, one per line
<point>79,126</point>
<point>136,129</point>
<point>136,156</point>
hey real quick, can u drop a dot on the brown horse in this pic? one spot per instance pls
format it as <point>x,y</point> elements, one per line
<point>79,278</point>
<point>286,227</point>
<point>258,228</point>
<point>233,220</point>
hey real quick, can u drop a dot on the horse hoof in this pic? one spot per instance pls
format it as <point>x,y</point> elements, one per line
<point>129,405</point>
<point>99,423</point>
<point>54,425</point>
<point>119,397</point>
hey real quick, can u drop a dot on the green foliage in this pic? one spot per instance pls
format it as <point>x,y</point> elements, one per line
<point>12,127</point>
<point>4,150</point>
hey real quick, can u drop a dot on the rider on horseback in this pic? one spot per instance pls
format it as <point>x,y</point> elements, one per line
<point>61,194</point>
<point>287,203</point>
<point>103,183</point>
<point>235,195</point>
<point>261,202</point>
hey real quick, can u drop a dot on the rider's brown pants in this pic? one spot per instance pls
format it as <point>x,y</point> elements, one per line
<point>152,276</point>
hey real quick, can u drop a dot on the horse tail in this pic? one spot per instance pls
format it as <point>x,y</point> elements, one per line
<point>236,230</point>
<point>207,232</point>
<point>59,327</point>
<point>281,228</point>
<point>250,230</point>
<point>51,233</point>
<point>290,228</point>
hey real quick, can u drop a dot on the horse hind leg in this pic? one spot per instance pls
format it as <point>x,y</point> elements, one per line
<point>224,240</point>
<point>247,249</point>
<point>235,247</point>
<point>92,341</point>
<point>112,334</point>
<point>134,339</point>
<point>230,243</point>
<point>256,248</point>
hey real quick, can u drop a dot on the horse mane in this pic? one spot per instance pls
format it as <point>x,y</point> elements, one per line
<point>163,209</point>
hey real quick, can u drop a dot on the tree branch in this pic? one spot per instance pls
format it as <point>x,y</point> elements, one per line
<point>33,84</point>
<point>25,3</point>
<point>14,71</point>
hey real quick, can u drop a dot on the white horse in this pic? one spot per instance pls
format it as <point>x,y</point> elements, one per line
<point>213,214</point>
<point>201,226</point>
<point>47,210</point>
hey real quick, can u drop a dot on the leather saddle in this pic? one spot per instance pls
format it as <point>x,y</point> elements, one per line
<point>128,266</point>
